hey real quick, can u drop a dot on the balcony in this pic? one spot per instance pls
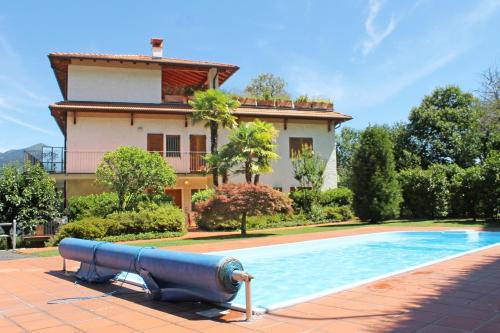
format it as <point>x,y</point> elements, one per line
<point>57,160</point>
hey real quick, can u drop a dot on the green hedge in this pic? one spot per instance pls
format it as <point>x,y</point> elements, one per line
<point>341,196</point>
<point>338,213</point>
<point>127,225</point>
<point>97,205</point>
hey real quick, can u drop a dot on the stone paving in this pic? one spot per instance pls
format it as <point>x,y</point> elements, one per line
<point>458,295</point>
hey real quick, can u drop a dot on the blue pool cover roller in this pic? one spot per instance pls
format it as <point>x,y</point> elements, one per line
<point>169,275</point>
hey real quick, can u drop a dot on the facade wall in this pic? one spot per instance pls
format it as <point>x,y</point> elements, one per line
<point>89,82</point>
<point>91,136</point>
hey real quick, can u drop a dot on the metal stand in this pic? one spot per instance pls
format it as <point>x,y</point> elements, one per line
<point>13,232</point>
<point>247,278</point>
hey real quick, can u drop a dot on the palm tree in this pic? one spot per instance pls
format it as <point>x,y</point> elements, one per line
<point>252,145</point>
<point>215,108</point>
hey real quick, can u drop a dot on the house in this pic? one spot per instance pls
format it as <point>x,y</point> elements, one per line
<point>135,100</point>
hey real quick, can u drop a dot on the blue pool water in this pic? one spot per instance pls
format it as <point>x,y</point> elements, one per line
<point>291,273</point>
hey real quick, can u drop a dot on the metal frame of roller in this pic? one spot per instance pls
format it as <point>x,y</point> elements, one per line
<point>168,275</point>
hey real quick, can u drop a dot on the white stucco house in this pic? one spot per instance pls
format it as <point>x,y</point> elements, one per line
<point>134,100</point>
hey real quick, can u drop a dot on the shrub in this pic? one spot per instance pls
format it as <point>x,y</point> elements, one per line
<point>338,213</point>
<point>88,228</point>
<point>165,218</point>
<point>238,201</point>
<point>491,188</point>
<point>303,199</point>
<point>425,192</point>
<point>202,195</point>
<point>376,190</point>
<point>341,196</point>
<point>98,205</point>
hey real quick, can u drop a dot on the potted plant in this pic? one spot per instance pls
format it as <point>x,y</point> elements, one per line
<point>302,102</point>
<point>266,100</point>
<point>247,100</point>
<point>284,101</point>
<point>322,103</point>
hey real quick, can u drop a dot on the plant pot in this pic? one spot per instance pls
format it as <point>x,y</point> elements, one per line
<point>283,104</point>
<point>247,101</point>
<point>319,105</point>
<point>265,102</point>
<point>302,105</point>
<point>329,106</point>
<point>177,99</point>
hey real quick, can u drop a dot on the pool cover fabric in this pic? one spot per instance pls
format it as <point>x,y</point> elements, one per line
<point>176,276</point>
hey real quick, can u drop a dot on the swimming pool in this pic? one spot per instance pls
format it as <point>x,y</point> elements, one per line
<point>291,273</point>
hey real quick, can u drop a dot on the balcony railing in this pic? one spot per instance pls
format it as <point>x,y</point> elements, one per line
<point>61,161</point>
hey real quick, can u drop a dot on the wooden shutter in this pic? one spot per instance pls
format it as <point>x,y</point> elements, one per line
<point>296,145</point>
<point>198,148</point>
<point>155,143</point>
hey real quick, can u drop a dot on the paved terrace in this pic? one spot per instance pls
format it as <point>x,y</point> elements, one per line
<point>459,295</point>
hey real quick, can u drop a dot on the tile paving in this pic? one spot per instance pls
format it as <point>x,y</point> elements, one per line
<point>458,295</point>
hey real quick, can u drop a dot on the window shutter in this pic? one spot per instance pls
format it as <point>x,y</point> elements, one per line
<point>155,143</point>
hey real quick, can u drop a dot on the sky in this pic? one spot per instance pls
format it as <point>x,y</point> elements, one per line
<point>376,59</point>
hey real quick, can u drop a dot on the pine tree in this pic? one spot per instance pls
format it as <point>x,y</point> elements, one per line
<point>377,195</point>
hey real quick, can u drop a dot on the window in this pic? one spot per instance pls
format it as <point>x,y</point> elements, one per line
<point>173,147</point>
<point>155,143</point>
<point>296,145</point>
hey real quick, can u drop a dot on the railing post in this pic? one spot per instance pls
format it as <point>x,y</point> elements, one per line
<point>14,234</point>
<point>247,278</point>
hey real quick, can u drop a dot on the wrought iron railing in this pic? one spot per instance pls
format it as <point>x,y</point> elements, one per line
<point>57,160</point>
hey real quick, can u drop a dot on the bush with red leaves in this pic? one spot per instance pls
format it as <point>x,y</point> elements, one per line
<point>238,201</point>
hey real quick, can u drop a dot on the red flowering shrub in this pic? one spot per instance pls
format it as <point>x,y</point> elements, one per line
<point>238,201</point>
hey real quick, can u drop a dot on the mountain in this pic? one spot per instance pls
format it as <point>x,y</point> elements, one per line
<point>17,155</point>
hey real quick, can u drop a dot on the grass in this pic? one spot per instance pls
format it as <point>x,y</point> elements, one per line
<point>454,223</point>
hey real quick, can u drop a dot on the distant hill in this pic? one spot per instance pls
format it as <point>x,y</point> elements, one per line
<point>17,155</point>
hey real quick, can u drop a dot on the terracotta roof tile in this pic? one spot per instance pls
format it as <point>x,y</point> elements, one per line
<point>184,109</point>
<point>142,58</point>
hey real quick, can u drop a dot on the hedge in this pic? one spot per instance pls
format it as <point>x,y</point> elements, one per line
<point>97,205</point>
<point>126,225</point>
<point>341,196</point>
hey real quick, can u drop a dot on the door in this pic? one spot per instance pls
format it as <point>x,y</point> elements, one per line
<point>155,143</point>
<point>198,149</point>
<point>176,196</point>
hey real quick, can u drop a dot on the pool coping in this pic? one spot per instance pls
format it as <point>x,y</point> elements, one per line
<point>303,299</point>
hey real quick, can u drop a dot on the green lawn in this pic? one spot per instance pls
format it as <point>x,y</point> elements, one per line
<point>455,223</point>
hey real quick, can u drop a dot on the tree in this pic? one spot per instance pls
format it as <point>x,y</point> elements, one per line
<point>238,201</point>
<point>376,189</point>
<point>309,169</point>
<point>266,86</point>
<point>29,196</point>
<point>346,143</point>
<point>489,120</point>
<point>491,185</point>
<point>132,172</point>
<point>215,108</point>
<point>252,145</point>
<point>405,151</point>
<point>444,127</point>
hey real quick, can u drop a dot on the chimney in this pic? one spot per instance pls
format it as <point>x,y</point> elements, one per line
<point>157,44</point>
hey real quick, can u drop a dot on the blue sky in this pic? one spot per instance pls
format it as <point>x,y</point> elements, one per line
<point>376,59</point>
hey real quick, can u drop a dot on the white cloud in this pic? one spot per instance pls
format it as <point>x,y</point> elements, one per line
<point>25,124</point>
<point>375,37</point>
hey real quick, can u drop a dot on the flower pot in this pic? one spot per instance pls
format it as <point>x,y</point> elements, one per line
<point>247,101</point>
<point>319,105</point>
<point>302,105</point>
<point>265,102</point>
<point>177,99</point>
<point>283,104</point>
<point>329,106</point>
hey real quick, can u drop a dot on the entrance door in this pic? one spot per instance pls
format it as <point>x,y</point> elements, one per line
<point>176,196</point>
<point>155,143</point>
<point>198,149</point>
